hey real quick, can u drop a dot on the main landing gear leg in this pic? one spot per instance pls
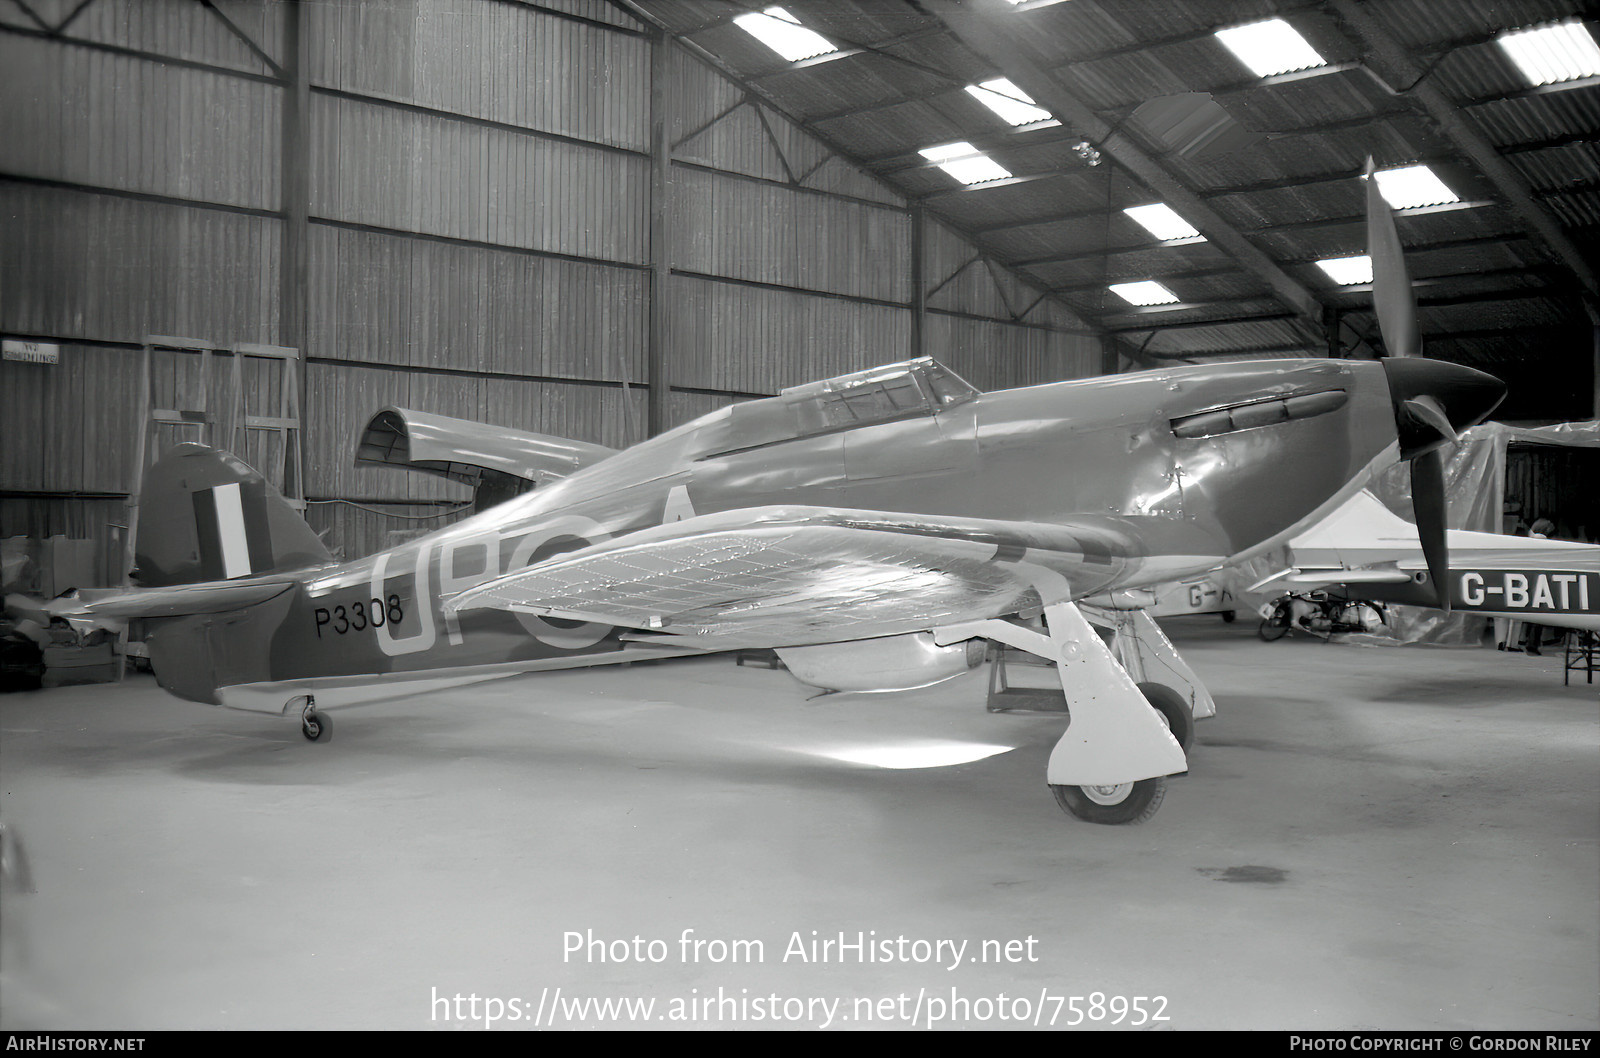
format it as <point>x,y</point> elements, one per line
<point>1111,764</point>
<point>315,726</point>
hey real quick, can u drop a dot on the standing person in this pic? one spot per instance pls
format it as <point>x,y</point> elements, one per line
<point>1507,630</point>
<point>1541,529</point>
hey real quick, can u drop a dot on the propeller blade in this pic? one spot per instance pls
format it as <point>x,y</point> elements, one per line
<point>1428,502</point>
<point>1392,297</point>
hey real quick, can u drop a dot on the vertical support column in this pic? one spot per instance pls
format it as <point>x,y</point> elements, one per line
<point>1594,330</point>
<point>1110,359</point>
<point>919,286</point>
<point>660,257</point>
<point>294,189</point>
<point>1330,331</point>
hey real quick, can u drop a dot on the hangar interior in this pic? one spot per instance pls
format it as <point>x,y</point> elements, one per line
<point>599,220</point>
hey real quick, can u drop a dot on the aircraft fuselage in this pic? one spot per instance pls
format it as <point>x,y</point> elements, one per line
<point>1240,453</point>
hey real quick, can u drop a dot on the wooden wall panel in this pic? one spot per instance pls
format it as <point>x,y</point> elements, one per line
<point>770,234</point>
<point>382,298</point>
<point>94,266</point>
<point>179,28</point>
<point>756,340</point>
<point>88,117</point>
<point>500,62</point>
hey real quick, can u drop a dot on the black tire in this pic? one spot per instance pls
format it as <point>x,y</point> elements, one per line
<point>1113,805</point>
<point>316,727</point>
<point>1228,616</point>
<point>1177,713</point>
<point>1274,627</point>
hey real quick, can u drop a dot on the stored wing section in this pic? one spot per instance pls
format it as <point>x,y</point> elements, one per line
<point>797,575</point>
<point>462,450</point>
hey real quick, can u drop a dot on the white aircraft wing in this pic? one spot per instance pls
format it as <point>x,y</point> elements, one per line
<point>798,575</point>
<point>1545,581</point>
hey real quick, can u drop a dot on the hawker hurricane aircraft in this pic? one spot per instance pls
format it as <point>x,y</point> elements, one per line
<point>873,525</point>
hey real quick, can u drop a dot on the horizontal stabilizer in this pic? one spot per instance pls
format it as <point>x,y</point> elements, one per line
<point>177,601</point>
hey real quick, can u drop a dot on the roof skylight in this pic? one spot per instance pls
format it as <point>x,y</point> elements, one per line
<point>1270,47</point>
<point>784,34</point>
<point>1145,292</point>
<point>1560,51</point>
<point>1162,221</point>
<point>1347,271</point>
<point>965,162</point>
<point>1012,104</point>
<point>1413,185</point>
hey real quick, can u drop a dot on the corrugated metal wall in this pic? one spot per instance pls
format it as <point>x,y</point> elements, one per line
<point>477,243</point>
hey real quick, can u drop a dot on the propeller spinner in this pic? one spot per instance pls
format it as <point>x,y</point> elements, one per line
<point>1433,400</point>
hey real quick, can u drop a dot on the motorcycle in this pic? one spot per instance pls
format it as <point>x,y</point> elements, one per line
<point>1319,614</point>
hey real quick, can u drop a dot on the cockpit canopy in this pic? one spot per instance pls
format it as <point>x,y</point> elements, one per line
<point>920,387</point>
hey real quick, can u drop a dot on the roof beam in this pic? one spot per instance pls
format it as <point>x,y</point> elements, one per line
<point>1105,281</point>
<point>1390,61</point>
<point>1223,321</point>
<point>1107,251</point>
<point>979,26</point>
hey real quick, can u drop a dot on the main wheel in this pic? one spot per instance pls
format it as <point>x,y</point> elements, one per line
<point>1132,802</point>
<point>1129,802</point>
<point>316,726</point>
<point>1228,616</point>
<point>1274,627</point>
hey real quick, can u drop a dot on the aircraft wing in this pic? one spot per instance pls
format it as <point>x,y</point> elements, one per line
<point>798,575</point>
<point>1363,542</point>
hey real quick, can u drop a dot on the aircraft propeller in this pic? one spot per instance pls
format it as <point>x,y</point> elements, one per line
<point>1433,400</point>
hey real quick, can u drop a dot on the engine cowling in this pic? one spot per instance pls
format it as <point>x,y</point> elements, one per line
<point>891,663</point>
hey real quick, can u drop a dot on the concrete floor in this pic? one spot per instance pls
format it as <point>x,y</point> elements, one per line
<point>1369,837</point>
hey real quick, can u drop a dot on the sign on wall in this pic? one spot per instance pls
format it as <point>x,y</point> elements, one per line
<point>30,352</point>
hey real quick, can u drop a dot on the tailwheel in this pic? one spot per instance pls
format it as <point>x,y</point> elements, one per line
<point>315,726</point>
<point>1129,802</point>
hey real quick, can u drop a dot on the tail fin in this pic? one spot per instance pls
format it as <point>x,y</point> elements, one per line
<point>206,515</point>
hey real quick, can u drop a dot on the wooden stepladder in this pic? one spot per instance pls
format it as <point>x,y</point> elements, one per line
<point>280,456</point>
